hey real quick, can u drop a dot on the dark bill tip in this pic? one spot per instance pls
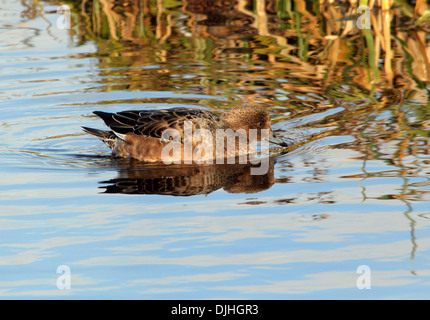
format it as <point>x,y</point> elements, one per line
<point>277,140</point>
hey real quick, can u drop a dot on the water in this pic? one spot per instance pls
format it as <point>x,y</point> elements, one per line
<point>354,191</point>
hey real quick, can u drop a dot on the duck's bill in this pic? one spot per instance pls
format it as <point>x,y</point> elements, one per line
<point>274,138</point>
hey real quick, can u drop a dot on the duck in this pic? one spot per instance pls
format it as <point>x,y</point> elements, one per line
<point>141,134</point>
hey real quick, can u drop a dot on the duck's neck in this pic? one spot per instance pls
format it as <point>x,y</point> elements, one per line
<point>227,119</point>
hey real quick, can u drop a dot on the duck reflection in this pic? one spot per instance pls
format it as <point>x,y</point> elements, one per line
<point>182,180</point>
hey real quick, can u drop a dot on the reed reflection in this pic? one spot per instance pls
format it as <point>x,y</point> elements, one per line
<point>296,58</point>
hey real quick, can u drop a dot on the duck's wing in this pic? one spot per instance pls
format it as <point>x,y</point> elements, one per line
<point>152,123</point>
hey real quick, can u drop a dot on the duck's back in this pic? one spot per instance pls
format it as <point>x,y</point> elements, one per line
<point>152,123</point>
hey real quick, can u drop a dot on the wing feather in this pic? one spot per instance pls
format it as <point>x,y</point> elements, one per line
<point>152,123</point>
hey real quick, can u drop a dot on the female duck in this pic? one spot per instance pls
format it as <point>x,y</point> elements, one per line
<point>151,135</point>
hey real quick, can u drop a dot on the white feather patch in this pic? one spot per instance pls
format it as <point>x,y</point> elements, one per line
<point>120,135</point>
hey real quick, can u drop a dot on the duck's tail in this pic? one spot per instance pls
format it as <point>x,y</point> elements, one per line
<point>106,136</point>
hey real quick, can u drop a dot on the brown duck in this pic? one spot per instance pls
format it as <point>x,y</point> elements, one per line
<point>138,134</point>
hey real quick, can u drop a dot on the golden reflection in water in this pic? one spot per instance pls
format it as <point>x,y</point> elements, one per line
<point>270,50</point>
<point>297,58</point>
<point>310,39</point>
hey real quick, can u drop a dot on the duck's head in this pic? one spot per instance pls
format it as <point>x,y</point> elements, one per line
<point>252,118</point>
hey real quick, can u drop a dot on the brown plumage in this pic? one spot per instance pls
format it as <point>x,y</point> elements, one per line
<point>138,134</point>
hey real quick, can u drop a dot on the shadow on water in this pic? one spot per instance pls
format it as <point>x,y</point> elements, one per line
<point>135,177</point>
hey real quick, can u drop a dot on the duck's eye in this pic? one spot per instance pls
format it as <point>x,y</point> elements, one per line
<point>260,124</point>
